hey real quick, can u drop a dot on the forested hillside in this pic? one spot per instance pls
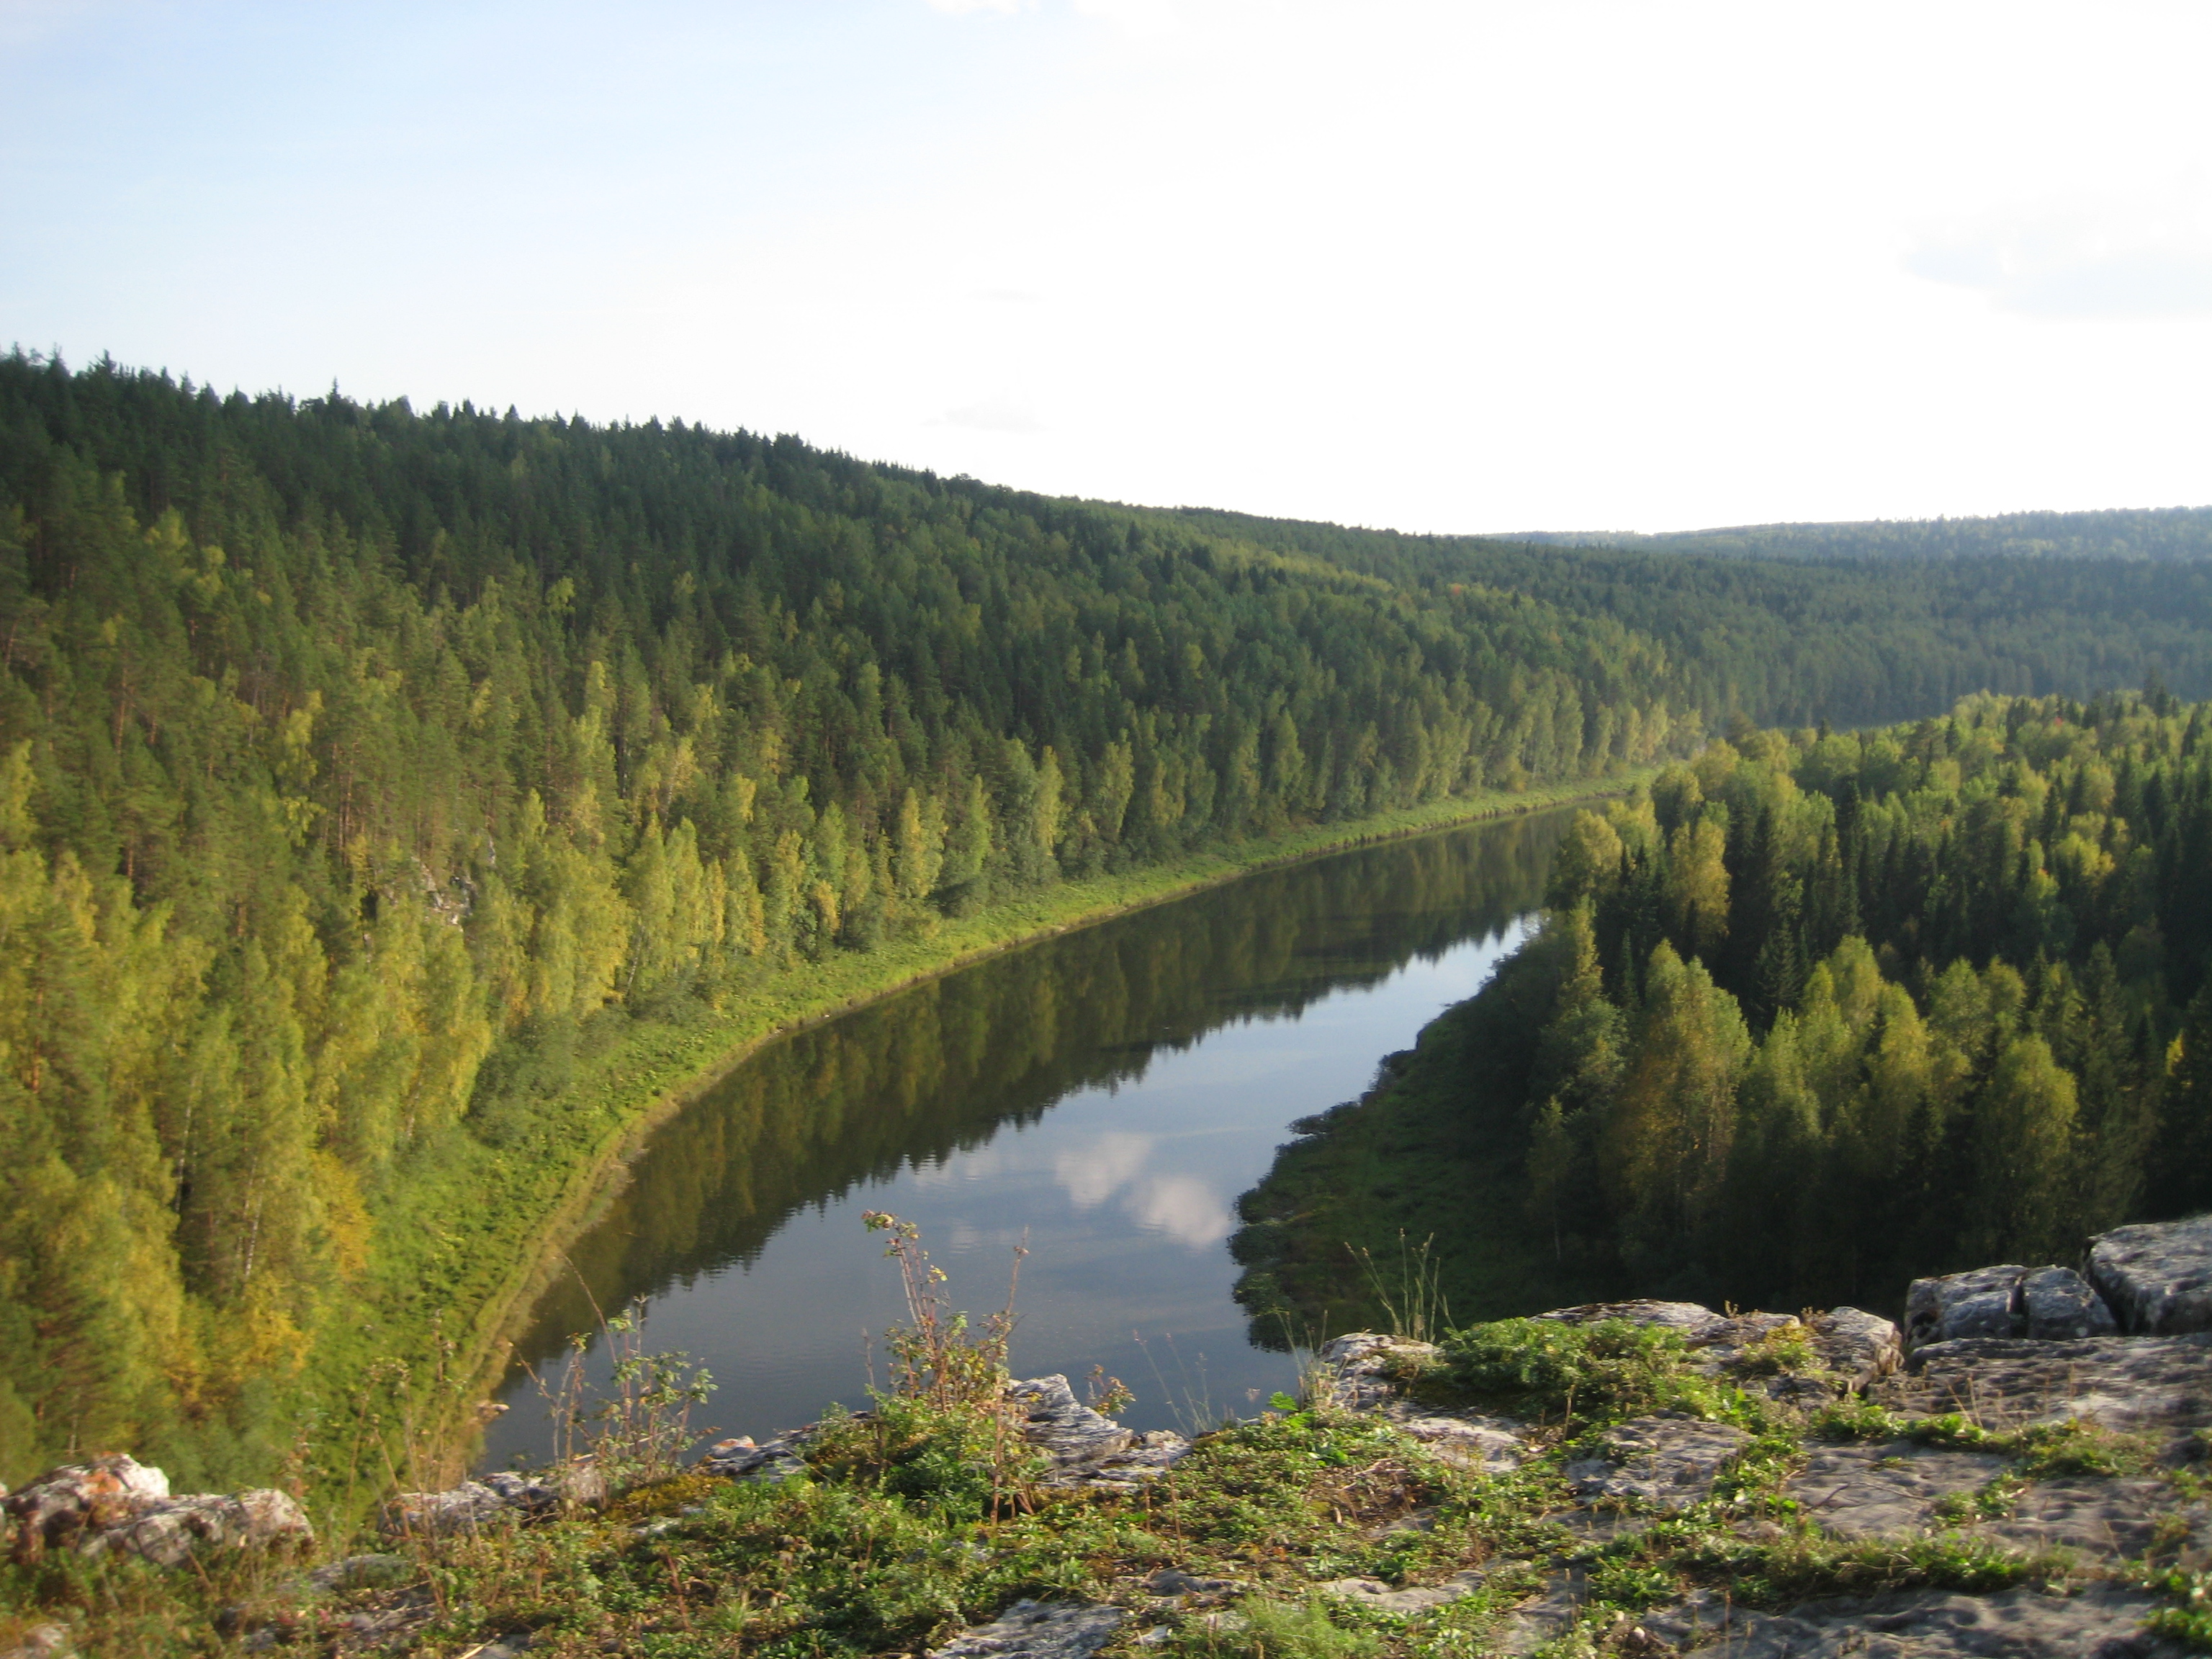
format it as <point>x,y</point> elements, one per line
<point>360,769</point>
<point>1815,1014</point>
<point>1824,634</point>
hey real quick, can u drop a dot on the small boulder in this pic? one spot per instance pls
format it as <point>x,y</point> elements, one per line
<point>2057,1305</point>
<point>45,1641</point>
<point>2158,1276</point>
<point>1038,1630</point>
<point>1061,1426</point>
<point>740,1459</point>
<point>65,1505</point>
<point>1956,1305</point>
<point>1363,1367</point>
<point>434,1514</point>
<point>115,1504</point>
<point>1860,1347</point>
<point>1414,1598</point>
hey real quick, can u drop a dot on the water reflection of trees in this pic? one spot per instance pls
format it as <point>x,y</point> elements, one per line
<point>945,1067</point>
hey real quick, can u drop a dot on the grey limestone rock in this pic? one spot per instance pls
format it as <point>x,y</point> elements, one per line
<point>1063,1427</point>
<point>1478,1443</point>
<point>1363,1366</point>
<point>1038,1630</point>
<point>433,1514</point>
<point>2157,1276</point>
<point>1667,1462</point>
<point>1871,1491</point>
<point>1860,1347</point>
<point>1955,1305</point>
<point>1088,1448</point>
<point>740,1459</point>
<point>2100,1621</point>
<point>115,1504</point>
<point>1414,1598</point>
<point>2057,1305</point>
<point>66,1505</point>
<point>46,1641</point>
<point>2101,1518</point>
<point>2144,1382</point>
<point>169,1531</point>
<point>2044,1304</point>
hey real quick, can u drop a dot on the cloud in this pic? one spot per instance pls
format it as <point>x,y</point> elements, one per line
<point>965,7</point>
<point>2093,259</point>
<point>991,414</point>
<point>1185,1209</point>
<point>1095,1173</point>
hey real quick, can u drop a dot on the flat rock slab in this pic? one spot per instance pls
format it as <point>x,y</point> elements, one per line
<point>1491,1444</point>
<point>2099,1622</point>
<point>1412,1598</point>
<point>2158,1276</point>
<point>2104,1518</point>
<point>1870,1491</point>
<point>1669,1462</point>
<point>1038,1630</point>
<point>2144,1382</point>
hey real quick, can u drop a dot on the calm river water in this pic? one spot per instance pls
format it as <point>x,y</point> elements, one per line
<point>1105,1094</point>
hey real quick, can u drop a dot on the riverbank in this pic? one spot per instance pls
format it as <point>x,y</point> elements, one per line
<point>482,1231</point>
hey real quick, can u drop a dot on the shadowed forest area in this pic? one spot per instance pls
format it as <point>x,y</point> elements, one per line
<point>365,773</point>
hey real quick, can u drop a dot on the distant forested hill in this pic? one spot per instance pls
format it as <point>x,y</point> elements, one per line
<point>1825,634</point>
<point>358,764</point>
<point>2168,535</point>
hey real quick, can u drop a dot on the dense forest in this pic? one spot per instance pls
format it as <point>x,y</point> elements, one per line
<point>2164,534</point>
<point>1816,1013</point>
<point>361,768</point>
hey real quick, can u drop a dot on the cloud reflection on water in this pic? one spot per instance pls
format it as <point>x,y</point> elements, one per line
<point>1185,1208</point>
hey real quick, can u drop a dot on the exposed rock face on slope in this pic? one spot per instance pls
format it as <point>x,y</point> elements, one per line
<point>2044,1304</point>
<point>2156,1278</point>
<point>115,1504</point>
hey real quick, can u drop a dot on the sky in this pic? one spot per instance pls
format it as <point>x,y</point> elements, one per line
<point>1453,267</point>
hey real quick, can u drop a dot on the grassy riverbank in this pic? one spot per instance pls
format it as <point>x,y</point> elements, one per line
<point>1410,1180</point>
<point>477,1230</point>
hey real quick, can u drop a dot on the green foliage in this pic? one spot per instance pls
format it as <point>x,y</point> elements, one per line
<point>1313,1628</point>
<point>1814,1015</point>
<point>2189,1619</point>
<point>1586,1374</point>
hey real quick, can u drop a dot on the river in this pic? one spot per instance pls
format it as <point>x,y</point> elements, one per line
<point>1103,1095</point>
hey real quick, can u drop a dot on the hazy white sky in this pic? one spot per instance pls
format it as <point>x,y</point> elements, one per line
<point>1444,266</point>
